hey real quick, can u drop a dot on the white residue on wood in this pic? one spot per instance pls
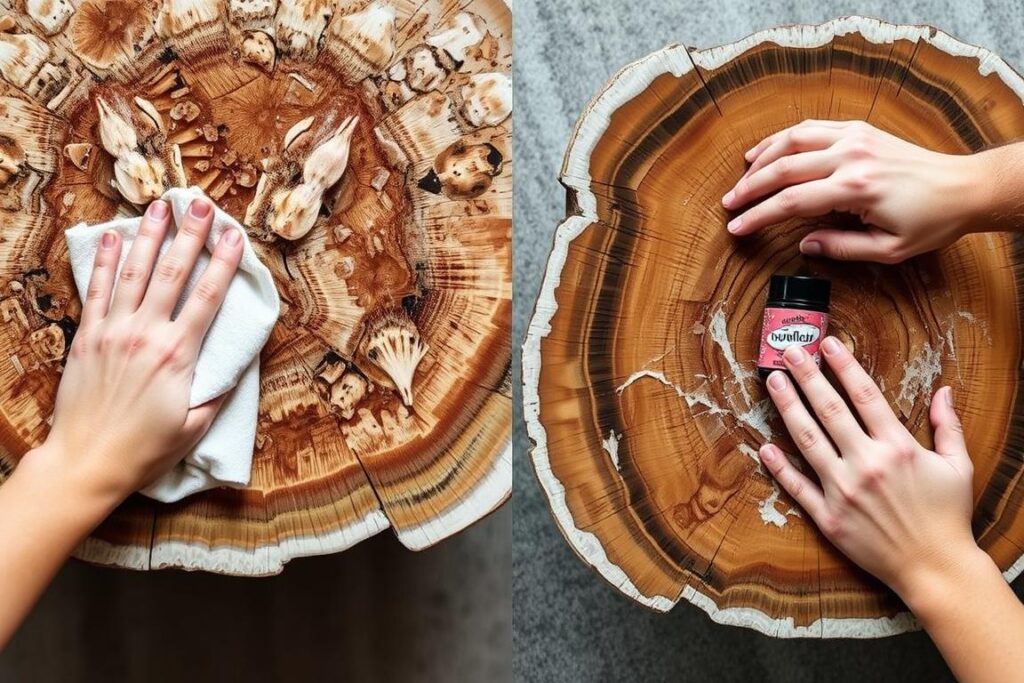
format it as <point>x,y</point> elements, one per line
<point>951,351</point>
<point>658,359</point>
<point>749,413</point>
<point>950,336</point>
<point>739,403</point>
<point>750,452</point>
<point>771,514</point>
<point>653,374</point>
<point>922,370</point>
<point>611,447</point>
<point>745,411</point>
<point>968,316</point>
<point>720,336</point>
<point>757,416</point>
<point>702,398</point>
<point>919,374</point>
<point>974,322</point>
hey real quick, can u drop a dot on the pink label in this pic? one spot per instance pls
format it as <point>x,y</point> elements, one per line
<point>785,327</point>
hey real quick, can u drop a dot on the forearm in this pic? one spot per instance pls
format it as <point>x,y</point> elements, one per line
<point>974,618</point>
<point>45,511</point>
<point>127,416</point>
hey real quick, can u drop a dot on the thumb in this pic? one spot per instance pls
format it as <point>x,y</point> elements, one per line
<point>852,245</point>
<point>949,434</point>
<point>199,419</point>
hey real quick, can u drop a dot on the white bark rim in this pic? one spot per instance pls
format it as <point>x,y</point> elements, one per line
<point>487,496</point>
<point>264,560</point>
<point>269,559</point>
<point>626,84</point>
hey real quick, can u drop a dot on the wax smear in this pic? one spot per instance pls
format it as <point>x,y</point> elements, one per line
<point>719,332</point>
<point>919,375</point>
<point>611,447</point>
<point>653,374</point>
<point>770,514</point>
<point>738,403</point>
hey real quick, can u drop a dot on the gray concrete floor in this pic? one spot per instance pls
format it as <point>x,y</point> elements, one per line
<point>568,625</point>
<point>377,612</point>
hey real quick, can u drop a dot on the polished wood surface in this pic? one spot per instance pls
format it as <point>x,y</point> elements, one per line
<point>385,390</point>
<point>641,392</point>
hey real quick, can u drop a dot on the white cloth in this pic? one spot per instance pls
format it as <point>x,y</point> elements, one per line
<point>229,359</point>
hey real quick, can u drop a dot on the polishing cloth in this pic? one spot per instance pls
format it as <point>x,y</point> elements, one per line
<point>229,360</point>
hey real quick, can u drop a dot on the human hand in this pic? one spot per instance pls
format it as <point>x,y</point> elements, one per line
<point>911,200</point>
<point>895,508</point>
<point>122,415</point>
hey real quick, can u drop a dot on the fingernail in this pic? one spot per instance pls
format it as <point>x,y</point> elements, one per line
<point>795,355</point>
<point>109,239</point>
<point>199,208</point>
<point>810,247</point>
<point>830,346</point>
<point>232,237</point>
<point>767,453</point>
<point>777,380</point>
<point>749,153</point>
<point>727,199</point>
<point>735,224</point>
<point>949,396</point>
<point>157,209</point>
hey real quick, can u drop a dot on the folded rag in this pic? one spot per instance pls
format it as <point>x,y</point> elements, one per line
<point>229,359</point>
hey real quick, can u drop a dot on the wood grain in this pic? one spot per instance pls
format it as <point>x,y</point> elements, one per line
<point>411,248</point>
<point>640,388</point>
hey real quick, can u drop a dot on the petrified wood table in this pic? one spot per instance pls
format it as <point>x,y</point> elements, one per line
<point>385,391</point>
<point>641,395</point>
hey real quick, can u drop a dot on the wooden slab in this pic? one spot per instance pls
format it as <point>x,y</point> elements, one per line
<point>640,390</point>
<point>413,244</point>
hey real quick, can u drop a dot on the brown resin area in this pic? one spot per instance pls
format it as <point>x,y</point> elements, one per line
<point>225,140</point>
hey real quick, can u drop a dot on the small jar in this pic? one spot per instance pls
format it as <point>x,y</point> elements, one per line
<point>796,313</point>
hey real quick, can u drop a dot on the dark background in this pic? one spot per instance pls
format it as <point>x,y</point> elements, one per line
<point>376,612</point>
<point>568,624</point>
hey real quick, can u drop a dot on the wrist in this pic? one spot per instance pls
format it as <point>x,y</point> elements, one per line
<point>974,196</point>
<point>89,492</point>
<point>926,590</point>
<point>991,202</point>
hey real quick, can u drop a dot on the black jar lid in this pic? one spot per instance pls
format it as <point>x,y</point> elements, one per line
<point>800,289</point>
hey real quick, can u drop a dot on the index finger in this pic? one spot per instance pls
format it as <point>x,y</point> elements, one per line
<point>806,433</point>
<point>864,394</point>
<point>828,405</point>
<point>791,170</point>
<point>796,141</point>
<point>813,198</point>
<point>754,152</point>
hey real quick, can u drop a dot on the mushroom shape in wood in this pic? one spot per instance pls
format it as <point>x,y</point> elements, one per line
<point>385,387</point>
<point>640,388</point>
